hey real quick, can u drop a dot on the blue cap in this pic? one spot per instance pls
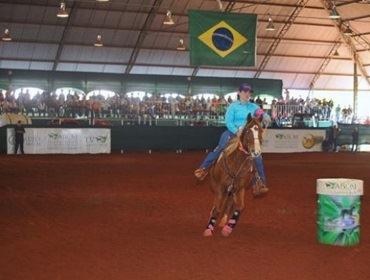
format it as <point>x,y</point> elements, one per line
<point>246,87</point>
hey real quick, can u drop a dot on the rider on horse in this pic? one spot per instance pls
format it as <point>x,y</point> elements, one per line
<point>236,118</point>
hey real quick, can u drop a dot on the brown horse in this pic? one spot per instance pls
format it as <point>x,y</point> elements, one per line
<point>232,173</point>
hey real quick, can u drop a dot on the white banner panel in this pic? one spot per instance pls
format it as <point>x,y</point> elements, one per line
<point>293,140</point>
<point>63,141</point>
<point>340,186</point>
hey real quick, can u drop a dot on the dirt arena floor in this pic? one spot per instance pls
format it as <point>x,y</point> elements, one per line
<point>138,216</point>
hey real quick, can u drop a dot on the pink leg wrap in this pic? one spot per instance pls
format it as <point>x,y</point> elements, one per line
<point>226,230</point>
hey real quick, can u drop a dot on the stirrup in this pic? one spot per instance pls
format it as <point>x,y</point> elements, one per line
<point>201,173</point>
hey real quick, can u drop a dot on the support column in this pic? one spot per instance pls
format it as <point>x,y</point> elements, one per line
<point>355,88</point>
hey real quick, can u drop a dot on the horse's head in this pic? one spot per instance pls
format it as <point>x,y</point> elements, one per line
<point>251,136</point>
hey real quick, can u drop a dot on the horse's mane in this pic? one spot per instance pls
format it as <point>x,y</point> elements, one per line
<point>232,146</point>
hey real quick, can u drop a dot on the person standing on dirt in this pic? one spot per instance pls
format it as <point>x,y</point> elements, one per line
<point>355,136</point>
<point>19,137</point>
<point>335,132</point>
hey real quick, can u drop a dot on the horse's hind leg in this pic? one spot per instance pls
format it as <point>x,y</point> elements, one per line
<point>215,212</point>
<point>238,208</point>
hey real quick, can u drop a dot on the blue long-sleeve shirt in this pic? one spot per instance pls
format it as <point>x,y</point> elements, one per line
<point>237,113</point>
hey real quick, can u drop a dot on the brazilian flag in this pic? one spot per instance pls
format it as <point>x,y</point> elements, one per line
<point>217,38</point>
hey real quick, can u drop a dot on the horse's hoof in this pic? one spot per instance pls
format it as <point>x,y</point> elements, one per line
<point>208,233</point>
<point>226,231</point>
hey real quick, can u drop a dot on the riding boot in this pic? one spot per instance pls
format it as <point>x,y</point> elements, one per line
<point>201,173</point>
<point>259,187</point>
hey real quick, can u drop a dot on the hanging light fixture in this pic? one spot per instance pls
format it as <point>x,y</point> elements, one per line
<point>270,25</point>
<point>98,42</point>
<point>62,13</point>
<point>334,13</point>
<point>181,45</point>
<point>169,20</point>
<point>336,53</point>
<point>347,31</point>
<point>6,36</point>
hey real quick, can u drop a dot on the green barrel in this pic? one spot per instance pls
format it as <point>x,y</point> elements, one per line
<point>338,216</point>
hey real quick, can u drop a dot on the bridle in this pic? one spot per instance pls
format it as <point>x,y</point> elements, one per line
<point>244,149</point>
<point>256,138</point>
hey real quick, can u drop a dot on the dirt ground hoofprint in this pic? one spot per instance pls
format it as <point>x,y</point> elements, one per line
<point>138,216</point>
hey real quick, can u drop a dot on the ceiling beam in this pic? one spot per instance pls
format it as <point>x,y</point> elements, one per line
<point>230,5</point>
<point>148,22</point>
<point>168,32</point>
<point>323,65</point>
<point>62,39</point>
<point>275,4</point>
<point>150,31</point>
<point>346,3</point>
<point>361,34</point>
<point>356,18</point>
<point>162,30</point>
<point>103,8</point>
<point>163,13</point>
<point>348,42</point>
<point>178,66</point>
<point>363,50</point>
<point>174,50</point>
<point>300,5</point>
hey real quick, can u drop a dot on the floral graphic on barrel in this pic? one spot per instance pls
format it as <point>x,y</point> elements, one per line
<point>339,220</point>
<point>338,216</point>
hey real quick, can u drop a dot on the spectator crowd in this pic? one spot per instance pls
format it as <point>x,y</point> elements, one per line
<point>74,105</point>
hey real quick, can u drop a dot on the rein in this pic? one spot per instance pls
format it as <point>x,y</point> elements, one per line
<point>241,148</point>
<point>236,175</point>
<point>246,150</point>
<point>249,156</point>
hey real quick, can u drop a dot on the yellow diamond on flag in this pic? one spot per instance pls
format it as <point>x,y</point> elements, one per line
<point>222,39</point>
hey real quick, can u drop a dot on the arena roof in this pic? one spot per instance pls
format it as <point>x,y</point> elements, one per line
<point>306,50</point>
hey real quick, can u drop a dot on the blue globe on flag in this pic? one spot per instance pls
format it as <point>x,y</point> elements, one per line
<point>222,39</point>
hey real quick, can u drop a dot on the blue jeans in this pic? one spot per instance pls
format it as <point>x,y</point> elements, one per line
<point>258,161</point>
<point>212,156</point>
<point>224,139</point>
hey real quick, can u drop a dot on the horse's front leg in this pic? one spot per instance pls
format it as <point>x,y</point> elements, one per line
<point>238,208</point>
<point>215,212</point>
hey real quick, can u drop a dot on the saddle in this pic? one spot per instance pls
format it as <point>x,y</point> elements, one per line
<point>201,173</point>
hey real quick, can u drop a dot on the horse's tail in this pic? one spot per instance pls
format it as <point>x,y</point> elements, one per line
<point>226,208</point>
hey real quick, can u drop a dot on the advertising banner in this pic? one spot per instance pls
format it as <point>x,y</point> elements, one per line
<point>293,140</point>
<point>63,141</point>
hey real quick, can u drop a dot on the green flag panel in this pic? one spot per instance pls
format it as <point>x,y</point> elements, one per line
<point>226,39</point>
